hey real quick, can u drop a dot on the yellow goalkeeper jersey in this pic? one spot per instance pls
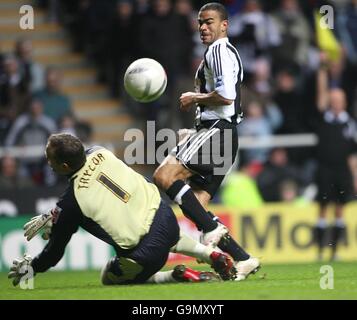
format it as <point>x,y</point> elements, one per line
<point>118,199</point>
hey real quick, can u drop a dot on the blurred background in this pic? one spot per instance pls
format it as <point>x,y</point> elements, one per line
<point>299,99</point>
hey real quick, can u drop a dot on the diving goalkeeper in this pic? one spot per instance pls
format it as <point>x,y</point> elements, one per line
<point>119,206</point>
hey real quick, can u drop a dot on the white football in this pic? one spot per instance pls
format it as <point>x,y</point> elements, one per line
<point>145,80</point>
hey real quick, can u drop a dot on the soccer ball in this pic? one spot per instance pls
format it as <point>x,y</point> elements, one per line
<point>145,80</point>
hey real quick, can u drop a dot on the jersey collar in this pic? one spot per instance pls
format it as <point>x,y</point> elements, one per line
<point>221,40</point>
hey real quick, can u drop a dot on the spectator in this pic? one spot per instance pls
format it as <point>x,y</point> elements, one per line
<point>121,45</point>
<point>296,116</point>
<point>53,11</point>
<point>156,31</point>
<point>193,59</point>
<point>185,9</point>
<point>198,51</point>
<point>30,70</point>
<point>290,193</point>
<point>240,189</point>
<point>98,16</point>
<point>295,37</point>
<point>75,18</point>
<point>277,171</point>
<point>1,62</point>
<point>347,29</point>
<point>84,131</point>
<point>13,88</point>
<point>80,129</point>
<point>289,101</point>
<point>10,177</point>
<point>142,7</point>
<point>67,125</point>
<point>261,124</point>
<point>32,129</point>
<point>337,132</point>
<point>4,121</point>
<point>259,86</point>
<point>55,103</point>
<point>254,33</point>
<point>231,6</point>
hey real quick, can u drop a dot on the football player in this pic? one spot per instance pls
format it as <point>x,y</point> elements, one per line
<point>198,159</point>
<point>119,206</point>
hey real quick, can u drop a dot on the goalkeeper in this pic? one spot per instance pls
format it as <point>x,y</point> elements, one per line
<point>117,205</point>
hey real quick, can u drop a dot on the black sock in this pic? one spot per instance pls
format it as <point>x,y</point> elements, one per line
<point>337,233</point>
<point>229,245</point>
<point>320,237</point>
<point>182,194</point>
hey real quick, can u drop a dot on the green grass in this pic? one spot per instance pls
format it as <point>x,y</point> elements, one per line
<point>295,281</point>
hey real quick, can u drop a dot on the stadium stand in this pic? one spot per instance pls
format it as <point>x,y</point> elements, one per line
<point>91,101</point>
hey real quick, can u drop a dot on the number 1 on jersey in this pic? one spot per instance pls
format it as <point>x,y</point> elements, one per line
<point>113,187</point>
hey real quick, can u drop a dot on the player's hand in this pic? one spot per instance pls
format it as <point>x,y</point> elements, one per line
<point>187,101</point>
<point>38,223</point>
<point>19,268</point>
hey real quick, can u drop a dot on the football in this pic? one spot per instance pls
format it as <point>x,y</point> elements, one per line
<point>145,80</point>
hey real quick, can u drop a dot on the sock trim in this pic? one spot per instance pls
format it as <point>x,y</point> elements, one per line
<point>175,188</point>
<point>178,198</point>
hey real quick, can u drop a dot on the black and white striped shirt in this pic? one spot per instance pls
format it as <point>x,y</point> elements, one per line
<point>221,70</point>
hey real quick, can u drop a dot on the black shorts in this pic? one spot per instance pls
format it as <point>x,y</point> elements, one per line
<point>154,248</point>
<point>209,153</point>
<point>334,185</point>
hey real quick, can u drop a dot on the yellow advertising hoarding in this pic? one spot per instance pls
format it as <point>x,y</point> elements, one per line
<point>279,233</point>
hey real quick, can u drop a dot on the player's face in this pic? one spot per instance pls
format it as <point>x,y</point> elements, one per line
<point>211,27</point>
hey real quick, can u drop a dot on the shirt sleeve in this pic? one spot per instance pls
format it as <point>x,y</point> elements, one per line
<point>224,70</point>
<point>66,220</point>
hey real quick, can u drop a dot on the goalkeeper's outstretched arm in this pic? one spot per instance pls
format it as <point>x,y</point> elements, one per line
<point>61,232</point>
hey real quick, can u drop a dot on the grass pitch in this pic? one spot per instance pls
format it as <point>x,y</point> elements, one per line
<point>274,282</point>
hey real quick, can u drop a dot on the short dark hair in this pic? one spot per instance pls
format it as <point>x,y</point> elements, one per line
<point>215,6</point>
<point>66,148</point>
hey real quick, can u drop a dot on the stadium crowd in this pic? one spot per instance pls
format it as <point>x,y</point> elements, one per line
<point>285,67</point>
<point>32,107</point>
